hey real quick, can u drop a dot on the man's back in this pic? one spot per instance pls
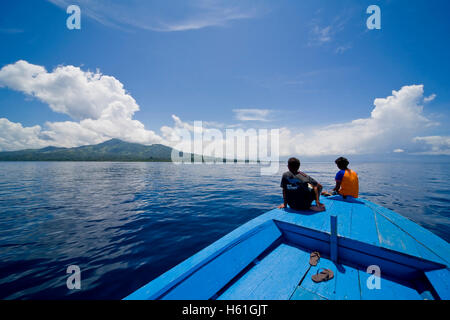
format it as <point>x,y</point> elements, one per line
<point>349,183</point>
<point>298,194</point>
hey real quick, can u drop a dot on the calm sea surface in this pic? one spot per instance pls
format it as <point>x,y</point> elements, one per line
<point>124,224</point>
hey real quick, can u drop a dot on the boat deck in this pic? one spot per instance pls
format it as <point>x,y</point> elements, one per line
<point>288,265</point>
<point>268,258</point>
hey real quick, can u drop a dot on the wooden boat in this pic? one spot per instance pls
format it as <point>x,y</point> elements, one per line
<point>268,259</point>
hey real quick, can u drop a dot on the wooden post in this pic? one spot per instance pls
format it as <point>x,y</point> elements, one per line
<point>333,239</point>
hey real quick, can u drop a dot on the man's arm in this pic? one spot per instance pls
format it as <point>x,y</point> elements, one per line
<point>317,193</point>
<point>338,186</point>
<point>315,183</point>
<point>284,205</point>
<point>338,179</point>
<point>317,187</point>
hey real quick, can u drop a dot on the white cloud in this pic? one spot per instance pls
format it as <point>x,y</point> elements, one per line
<point>99,105</point>
<point>69,90</point>
<point>252,114</point>
<point>430,98</point>
<point>192,15</point>
<point>101,109</point>
<point>13,136</point>
<point>433,145</point>
<point>393,124</point>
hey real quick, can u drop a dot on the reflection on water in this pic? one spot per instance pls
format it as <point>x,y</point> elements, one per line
<point>126,223</point>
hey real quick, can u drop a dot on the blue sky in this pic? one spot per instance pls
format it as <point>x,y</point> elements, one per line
<point>298,65</point>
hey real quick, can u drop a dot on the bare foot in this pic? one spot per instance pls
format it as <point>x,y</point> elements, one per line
<point>318,208</point>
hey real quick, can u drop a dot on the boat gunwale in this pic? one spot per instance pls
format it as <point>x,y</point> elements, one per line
<point>167,281</point>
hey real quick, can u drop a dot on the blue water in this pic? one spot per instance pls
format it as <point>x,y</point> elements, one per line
<point>124,224</point>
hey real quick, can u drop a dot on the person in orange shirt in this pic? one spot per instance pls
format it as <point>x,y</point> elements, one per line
<point>347,183</point>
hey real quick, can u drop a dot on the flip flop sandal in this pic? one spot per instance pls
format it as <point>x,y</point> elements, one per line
<point>314,258</point>
<point>323,275</point>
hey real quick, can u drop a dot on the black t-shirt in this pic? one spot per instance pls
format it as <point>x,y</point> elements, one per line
<point>298,194</point>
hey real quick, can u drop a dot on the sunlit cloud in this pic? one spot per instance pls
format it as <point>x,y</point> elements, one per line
<point>101,109</point>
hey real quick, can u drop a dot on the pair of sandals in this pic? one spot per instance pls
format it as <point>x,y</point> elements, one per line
<point>322,274</point>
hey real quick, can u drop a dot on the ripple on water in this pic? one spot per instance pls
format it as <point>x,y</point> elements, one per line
<point>126,223</point>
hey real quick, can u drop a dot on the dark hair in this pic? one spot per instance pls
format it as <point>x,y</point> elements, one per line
<point>293,164</point>
<point>342,163</point>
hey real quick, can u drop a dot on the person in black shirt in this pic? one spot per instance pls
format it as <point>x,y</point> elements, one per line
<point>299,189</point>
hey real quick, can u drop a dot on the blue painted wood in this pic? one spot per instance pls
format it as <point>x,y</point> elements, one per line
<point>389,290</point>
<point>306,243</point>
<point>392,238</point>
<point>440,279</point>
<point>427,254</point>
<point>244,286</point>
<point>367,234</point>
<point>311,220</point>
<point>435,244</point>
<point>333,239</point>
<point>303,294</point>
<point>310,233</point>
<point>207,281</point>
<point>169,279</point>
<point>363,227</point>
<point>343,210</point>
<point>274,278</point>
<point>390,262</point>
<point>347,283</point>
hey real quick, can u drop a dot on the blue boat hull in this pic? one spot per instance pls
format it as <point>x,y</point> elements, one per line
<point>268,259</point>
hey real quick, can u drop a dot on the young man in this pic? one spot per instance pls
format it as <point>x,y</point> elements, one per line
<point>347,183</point>
<point>296,190</point>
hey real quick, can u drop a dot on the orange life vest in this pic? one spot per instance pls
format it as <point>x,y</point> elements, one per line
<point>349,184</point>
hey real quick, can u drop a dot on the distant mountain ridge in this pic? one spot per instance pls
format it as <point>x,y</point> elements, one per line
<point>111,150</point>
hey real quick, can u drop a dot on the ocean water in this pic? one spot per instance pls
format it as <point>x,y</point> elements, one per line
<point>124,224</point>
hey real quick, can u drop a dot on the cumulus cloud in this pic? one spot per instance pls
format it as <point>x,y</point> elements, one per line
<point>99,104</point>
<point>13,136</point>
<point>101,109</point>
<point>393,124</point>
<point>69,90</point>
